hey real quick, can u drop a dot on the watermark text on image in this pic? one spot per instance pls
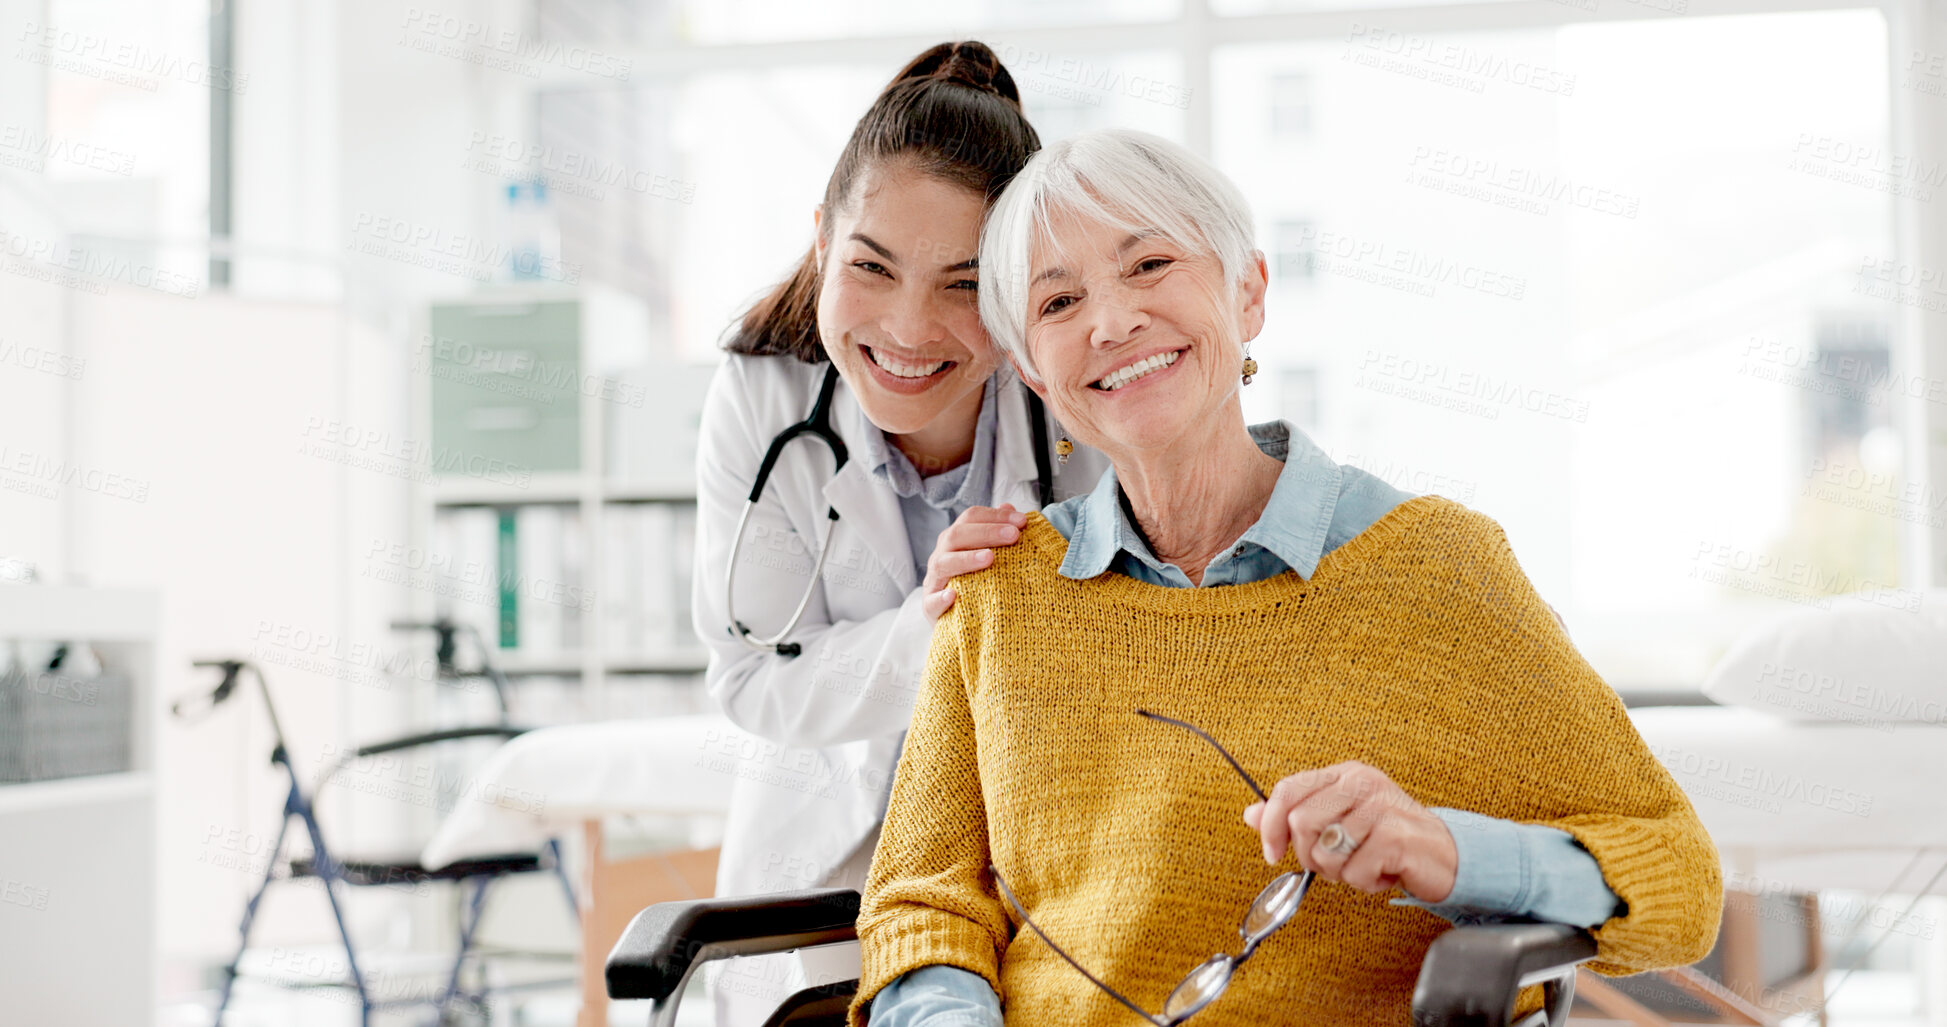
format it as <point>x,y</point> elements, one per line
<point>57,262</point>
<point>119,60</point>
<point>1467,68</point>
<point>1466,390</point>
<point>500,48</point>
<point>1511,186</point>
<point>434,248</point>
<point>471,580</point>
<point>568,171</point>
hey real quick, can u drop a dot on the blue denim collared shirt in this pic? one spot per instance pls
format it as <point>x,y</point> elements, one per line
<point>928,504</point>
<point>1316,506</point>
<point>1505,869</point>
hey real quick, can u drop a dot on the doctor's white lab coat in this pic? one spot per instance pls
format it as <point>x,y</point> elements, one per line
<point>812,790</point>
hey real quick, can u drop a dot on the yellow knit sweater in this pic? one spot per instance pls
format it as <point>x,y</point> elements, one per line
<point>1419,647</point>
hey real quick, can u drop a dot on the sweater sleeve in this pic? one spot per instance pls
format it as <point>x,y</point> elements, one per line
<point>1571,759</point>
<point>928,899</point>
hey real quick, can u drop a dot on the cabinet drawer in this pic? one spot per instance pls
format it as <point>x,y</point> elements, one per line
<point>505,387</point>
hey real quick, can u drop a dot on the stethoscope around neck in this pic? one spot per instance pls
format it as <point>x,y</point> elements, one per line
<point>818,425</point>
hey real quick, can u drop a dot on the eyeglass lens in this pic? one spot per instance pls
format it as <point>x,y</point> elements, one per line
<point>1199,988</point>
<point>1273,906</point>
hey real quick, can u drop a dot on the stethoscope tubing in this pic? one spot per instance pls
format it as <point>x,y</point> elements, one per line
<point>776,642</point>
<point>818,425</point>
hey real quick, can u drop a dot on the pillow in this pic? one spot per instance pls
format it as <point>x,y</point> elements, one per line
<point>1874,658</point>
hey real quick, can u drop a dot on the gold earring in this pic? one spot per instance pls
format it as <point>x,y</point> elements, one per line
<point>1063,447</point>
<point>1250,367</point>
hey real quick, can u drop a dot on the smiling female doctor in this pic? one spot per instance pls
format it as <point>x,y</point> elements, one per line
<point>881,320</point>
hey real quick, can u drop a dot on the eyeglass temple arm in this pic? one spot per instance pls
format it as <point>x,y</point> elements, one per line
<point>1114,994</point>
<point>1221,751</point>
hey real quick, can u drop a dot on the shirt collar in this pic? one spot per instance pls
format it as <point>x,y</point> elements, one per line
<point>1292,528</point>
<point>952,489</point>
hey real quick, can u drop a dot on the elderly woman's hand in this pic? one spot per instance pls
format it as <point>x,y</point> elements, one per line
<point>963,548</point>
<point>1399,842</point>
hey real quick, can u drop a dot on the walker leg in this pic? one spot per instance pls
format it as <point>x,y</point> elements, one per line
<point>469,922</point>
<point>329,874</point>
<point>249,917</point>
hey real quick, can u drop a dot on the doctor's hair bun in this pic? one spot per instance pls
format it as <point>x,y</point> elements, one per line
<point>968,63</point>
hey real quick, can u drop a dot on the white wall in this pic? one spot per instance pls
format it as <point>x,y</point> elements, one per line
<point>1920,129</point>
<point>249,542</point>
<point>33,364</point>
<point>254,542</point>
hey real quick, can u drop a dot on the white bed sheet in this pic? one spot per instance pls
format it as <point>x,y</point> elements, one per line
<point>551,779</point>
<point>1805,805</point>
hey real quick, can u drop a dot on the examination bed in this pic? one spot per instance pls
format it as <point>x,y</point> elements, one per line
<point>584,775</point>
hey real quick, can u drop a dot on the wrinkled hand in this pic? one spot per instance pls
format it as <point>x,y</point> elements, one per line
<point>964,548</point>
<point>1400,843</point>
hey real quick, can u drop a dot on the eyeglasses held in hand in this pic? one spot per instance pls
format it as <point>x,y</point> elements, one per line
<point>1272,909</point>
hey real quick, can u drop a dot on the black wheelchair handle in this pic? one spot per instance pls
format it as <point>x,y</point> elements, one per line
<point>1472,976</point>
<point>666,942</point>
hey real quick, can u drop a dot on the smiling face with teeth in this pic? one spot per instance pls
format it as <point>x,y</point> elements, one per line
<point>1137,337</point>
<point>897,309</point>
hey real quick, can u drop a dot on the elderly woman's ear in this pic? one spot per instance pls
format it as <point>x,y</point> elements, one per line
<point>1251,291</point>
<point>1021,373</point>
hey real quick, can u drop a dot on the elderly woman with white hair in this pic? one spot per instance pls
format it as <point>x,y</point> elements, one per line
<point>1076,822</point>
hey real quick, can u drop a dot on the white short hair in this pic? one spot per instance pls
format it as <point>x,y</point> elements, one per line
<point>1120,177</point>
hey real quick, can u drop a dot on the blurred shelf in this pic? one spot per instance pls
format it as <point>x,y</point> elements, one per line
<point>594,432</point>
<point>556,489</point>
<point>559,488</point>
<point>67,792</point>
<point>568,665</point>
<point>616,492</point>
<point>62,612</point>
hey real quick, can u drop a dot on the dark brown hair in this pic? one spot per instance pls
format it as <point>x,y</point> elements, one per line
<point>954,113</point>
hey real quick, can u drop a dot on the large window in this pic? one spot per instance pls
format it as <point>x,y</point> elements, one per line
<point>768,21</point>
<point>1622,309</point>
<point>1628,311</point>
<point>116,157</point>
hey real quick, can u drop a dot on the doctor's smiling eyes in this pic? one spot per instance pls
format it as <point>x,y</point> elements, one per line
<point>875,260</point>
<point>872,267</point>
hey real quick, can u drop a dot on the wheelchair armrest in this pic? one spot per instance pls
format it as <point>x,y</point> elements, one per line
<point>1472,975</point>
<point>665,942</point>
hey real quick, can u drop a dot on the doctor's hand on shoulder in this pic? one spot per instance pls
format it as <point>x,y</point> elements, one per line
<point>964,547</point>
<point>1386,839</point>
